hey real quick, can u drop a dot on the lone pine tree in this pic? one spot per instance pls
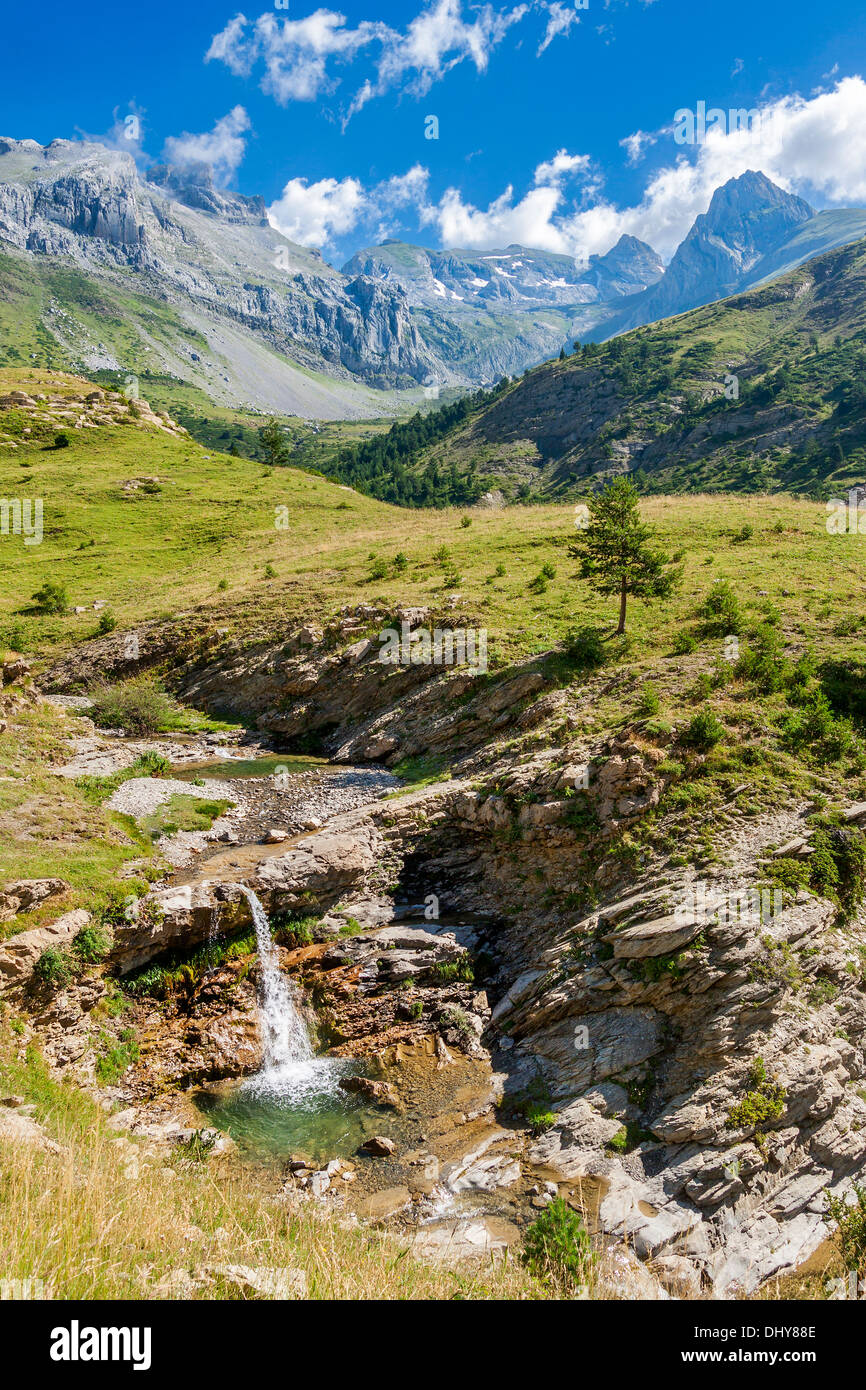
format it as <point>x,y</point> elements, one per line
<point>615,550</point>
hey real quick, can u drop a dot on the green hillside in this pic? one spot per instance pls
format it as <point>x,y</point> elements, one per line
<point>762,392</point>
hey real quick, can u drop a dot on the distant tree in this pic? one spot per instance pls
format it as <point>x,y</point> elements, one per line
<point>562,354</point>
<point>616,553</point>
<point>273,443</point>
<point>234,450</point>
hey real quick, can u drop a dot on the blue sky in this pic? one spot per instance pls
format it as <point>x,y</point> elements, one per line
<point>554,122</point>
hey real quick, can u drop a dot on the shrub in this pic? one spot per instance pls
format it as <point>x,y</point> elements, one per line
<point>378,570</point>
<point>557,1248</point>
<point>51,598</point>
<point>649,702</point>
<point>62,440</point>
<point>465,521</point>
<point>447,972</point>
<point>107,623</point>
<point>54,967</point>
<point>115,1061</point>
<point>401,562</point>
<point>763,1103</point>
<point>538,585</point>
<point>684,644</point>
<point>91,944</point>
<point>136,708</point>
<point>539,1119</point>
<point>270,572</point>
<point>584,646</point>
<point>720,611</point>
<point>703,732</point>
<point>850,1222</point>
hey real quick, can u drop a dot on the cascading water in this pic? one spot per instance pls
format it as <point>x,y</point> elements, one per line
<point>290,1070</point>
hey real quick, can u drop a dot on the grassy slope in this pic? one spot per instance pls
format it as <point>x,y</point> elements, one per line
<point>653,399</point>
<point>77,1222</point>
<point>214,517</point>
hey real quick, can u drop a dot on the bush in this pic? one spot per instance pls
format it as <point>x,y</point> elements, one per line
<point>720,611</point>
<point>557,1248</point>
<point>91,944</point>
<point>764,1102</point>
<point>54,967</point>
<point>764,664</point>
<point>136,708</point>
<point>51,598</point>
<point>684,644</point>
<point>115,1061</point>
<point>649,702</point>
<point>850,1232</point>
<point>107,623</point>
<point>378,570</point>
<point>584,646</point>
<point>704,732</point>
<point>62,440</point>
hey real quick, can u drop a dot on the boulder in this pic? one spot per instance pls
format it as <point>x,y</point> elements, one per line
<point>382,1092</point>
<point>379,1147</point>
<point>20,953</point>
<point>27,893</point>
<point>658,938</point>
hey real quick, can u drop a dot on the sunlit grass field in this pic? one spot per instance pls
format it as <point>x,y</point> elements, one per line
<point>205,534</point>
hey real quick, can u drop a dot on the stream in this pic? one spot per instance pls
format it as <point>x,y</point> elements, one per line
<point>453,1166</point>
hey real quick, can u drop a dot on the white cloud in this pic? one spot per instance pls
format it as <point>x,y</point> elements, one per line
<point>311,213</point>
<point>299,56</point>
<point>560,18</point>
<point>634,145</point>
<point>528,222</point>
<point>295,52</point>
<point>315,214</point>
<point>553,171</point>
<point>815,147</point>
<point>435,41</point>
<point>222,148</point>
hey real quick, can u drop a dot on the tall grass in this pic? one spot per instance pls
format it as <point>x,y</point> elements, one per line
<point>75,1221</point>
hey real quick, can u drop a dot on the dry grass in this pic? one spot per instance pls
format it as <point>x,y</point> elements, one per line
<point>76,1222</point>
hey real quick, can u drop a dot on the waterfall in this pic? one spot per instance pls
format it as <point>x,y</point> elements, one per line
<point>289,1068</point>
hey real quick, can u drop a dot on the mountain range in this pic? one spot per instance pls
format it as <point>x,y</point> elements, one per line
<point>165,275</point>
<point>762,391</point>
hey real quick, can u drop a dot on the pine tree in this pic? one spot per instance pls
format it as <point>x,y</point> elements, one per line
<point>615,551</point>
<point>273,443</point>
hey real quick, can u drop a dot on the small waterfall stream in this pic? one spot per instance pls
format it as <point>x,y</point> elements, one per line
<point>290,1068</point>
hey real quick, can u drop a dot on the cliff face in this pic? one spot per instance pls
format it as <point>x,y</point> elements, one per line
<point>208,254</point>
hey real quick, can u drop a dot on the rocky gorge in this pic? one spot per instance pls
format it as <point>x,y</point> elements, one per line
<point>531,998</point>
